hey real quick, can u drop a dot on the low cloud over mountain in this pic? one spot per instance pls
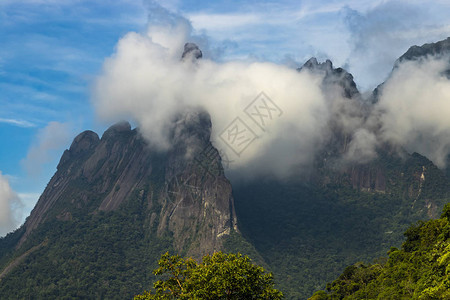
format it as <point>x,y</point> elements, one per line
<point>290,122</point>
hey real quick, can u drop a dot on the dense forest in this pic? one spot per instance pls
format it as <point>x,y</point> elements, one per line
<point>419,270</point>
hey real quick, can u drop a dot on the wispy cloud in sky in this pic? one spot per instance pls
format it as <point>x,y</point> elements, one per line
<point>20,123</point>
<point>216,21</point>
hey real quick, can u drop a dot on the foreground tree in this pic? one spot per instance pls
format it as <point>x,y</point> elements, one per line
<point>220,276</point>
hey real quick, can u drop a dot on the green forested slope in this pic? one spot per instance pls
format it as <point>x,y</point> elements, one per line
<point>419,270</point>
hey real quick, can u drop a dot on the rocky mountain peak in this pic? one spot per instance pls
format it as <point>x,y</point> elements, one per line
<point>416,52</point>
<point>119,127</point>
<point>84,141</point>
<point>333,76</point>
<point>313,64</point>
<point>191,51</point>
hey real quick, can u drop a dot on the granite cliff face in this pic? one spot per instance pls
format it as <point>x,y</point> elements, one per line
<point>186,182</point>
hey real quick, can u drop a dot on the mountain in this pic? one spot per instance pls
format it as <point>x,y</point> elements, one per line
<point>99,175</point>
<point>113,206</point>
<point>116,203</point>
<point>333,76</point>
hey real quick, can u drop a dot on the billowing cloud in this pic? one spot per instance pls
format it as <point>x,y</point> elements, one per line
<point>10,206</point>
<point>145,80</point>
<point>49,140</point>
<point>414,107</point>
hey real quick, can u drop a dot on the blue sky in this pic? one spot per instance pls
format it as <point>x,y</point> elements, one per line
<point>52,50</point>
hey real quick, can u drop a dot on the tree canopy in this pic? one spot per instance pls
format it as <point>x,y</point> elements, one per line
<point>218,276</point>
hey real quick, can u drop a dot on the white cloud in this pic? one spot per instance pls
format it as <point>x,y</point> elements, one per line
<point>145,80</point>
<point>48,144</point>
<point>10,206</point>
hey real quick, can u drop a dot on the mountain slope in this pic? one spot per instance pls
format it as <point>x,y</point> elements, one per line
<point>113,206</point>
